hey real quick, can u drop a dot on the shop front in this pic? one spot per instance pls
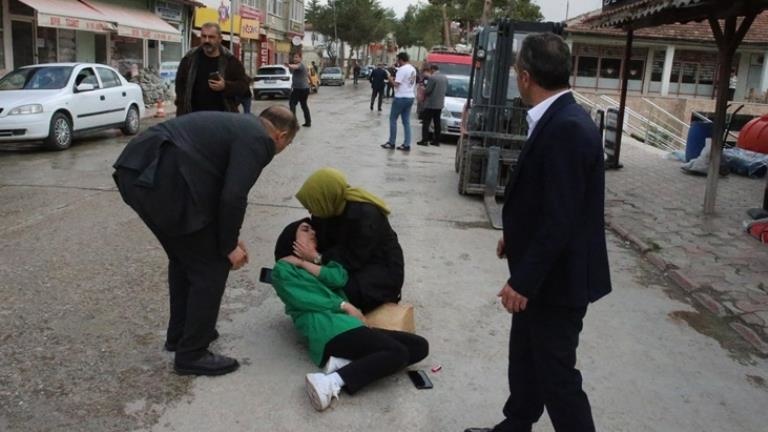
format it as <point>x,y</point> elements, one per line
<point>250,34</point>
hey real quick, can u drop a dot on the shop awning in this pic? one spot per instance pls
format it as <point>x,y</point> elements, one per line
<point>70,14</point>
<point>137,23</point>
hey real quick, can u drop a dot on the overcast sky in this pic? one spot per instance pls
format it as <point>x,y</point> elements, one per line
<point>553,10</point>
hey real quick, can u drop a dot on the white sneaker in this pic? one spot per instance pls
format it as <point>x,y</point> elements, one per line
<point>335,363</point>
<point>321,390</point>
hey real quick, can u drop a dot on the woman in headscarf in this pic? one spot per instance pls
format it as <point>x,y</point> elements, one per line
<point>353,230</point>
<point>354,355</point>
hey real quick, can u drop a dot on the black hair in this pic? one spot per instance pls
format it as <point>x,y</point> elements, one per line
<point>403,56</point>
<point>284,244</point>
<point>547,58</point>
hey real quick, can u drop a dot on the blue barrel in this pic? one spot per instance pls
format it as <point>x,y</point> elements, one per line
<point>697,135</point>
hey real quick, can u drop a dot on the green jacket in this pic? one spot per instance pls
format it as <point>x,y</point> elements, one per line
<point>313,303</point>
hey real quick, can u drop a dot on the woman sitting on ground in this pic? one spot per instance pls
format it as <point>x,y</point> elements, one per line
<point>354,355</point>
<point>353,230</point>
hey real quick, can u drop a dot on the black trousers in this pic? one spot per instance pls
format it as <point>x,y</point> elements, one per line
<point>375,353</point>
<point>430,115</point>
<point>390,90</point>
<point>542,371</point>
<point>377,93</point>
<point>299,96</point>
<point>197,275</point>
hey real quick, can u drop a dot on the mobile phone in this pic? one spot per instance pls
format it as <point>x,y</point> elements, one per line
<point>266,275</point>
<point>420,379</point>
<point>214,76</point>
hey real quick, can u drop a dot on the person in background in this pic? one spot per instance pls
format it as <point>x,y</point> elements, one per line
<point>209,77</point>
<point>299,88</point>
<point>434,99</point>
<point>355,72</point>
<point>314,66</point>
<point>378,79</point>
<point>405,92</point>
<point>246,99</point>
<point>353,354</point>
<point>391,71</point>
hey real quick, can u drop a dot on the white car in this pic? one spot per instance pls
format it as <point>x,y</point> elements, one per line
<point>52,102</point>
<point>331,76</point>
<point>272,80</point>
<point>455,99</point>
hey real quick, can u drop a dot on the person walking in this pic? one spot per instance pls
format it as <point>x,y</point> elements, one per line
<point>554,244</point>
<point>378,81</point>
<point>392,71</point>
<point>434,94</point>
<point>209,77</point>
<point>188,179</point>
<point>246,99</point>
<point>355,72</point>
<point>299,88</point>
<point>405,92</point>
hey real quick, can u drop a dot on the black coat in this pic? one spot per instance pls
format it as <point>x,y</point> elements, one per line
<point>362,240</point>
<point>554,228</point>
<point>190,171</point>
<point>378,78</point>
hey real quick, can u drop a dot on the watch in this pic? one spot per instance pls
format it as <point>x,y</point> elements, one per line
<point>318,260</point>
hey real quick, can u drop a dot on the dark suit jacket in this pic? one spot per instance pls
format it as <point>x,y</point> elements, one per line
<point>190,171</point>
<point>378,78</point>
<point>237,82</point>
<point>554,228</point>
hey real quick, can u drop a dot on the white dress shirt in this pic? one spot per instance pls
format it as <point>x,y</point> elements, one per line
<point>536,113</point>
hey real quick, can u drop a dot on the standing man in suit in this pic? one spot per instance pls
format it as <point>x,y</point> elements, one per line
<point>378,79</point>
<point>554,243</point>
<point>188,179</point>
<point>434,93</point>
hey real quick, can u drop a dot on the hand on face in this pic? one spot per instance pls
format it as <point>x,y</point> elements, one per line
<point>305,246</point>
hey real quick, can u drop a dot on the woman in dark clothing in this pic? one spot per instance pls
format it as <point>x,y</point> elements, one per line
<point>353,230</point>
<point>354,355</point>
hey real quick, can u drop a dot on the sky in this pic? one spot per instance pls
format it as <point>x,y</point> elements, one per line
<point>553,10</point>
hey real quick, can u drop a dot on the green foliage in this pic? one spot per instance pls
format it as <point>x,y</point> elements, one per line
<point>357,22</point>
<point>421,25</point>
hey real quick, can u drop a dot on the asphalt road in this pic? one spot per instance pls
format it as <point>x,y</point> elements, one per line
<point>83,307</point>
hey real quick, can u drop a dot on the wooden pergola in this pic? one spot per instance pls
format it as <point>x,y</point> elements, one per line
<point>729,19</point>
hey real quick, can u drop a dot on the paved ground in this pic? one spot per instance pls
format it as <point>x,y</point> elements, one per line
<point>82,307</point>
<point>659,208</point>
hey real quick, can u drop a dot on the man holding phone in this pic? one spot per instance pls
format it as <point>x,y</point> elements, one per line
<point>209,77</point>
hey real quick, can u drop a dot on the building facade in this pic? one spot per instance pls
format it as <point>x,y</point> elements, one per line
<point>120,33</point>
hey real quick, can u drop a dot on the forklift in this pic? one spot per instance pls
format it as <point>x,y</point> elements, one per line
<point>494,128</point>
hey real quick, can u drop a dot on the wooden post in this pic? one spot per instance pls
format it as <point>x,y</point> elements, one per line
<point>623,99</point>
<point>728,40</point>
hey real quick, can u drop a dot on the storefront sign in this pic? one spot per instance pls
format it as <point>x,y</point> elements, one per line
<point>249,29</point>
<point>44,20</point>
<point>169,11</point>
<point>147,34</point>
<point>264,52</point>
<point>206,15</point>
<point>251,12</point>
<point>297,27</point>
<point>283,47</point>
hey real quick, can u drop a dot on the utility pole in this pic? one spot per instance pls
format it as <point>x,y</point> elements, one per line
<point>232,10</point>
<point>335,36</point>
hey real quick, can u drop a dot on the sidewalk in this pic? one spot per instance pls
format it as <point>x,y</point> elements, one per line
<point>655,206</point>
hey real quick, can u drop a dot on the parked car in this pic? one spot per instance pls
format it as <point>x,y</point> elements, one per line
<point>168,72</point>
<point>455,99</point>
<point>271,81</point>
<point>52,102</point>
<point>365,71</point>
<point>331,75</point>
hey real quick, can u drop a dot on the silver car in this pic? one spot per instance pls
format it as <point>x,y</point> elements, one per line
<point>455,99</point>
<point>332,76</point>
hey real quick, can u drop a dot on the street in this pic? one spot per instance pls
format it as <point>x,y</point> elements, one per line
<point>83,306</point>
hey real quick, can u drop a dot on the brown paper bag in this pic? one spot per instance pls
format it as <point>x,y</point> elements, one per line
<point>392,316</point>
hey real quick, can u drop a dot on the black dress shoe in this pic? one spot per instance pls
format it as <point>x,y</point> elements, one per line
<point>422,143</point>
<point>209,364</point>
<point>436,144</point>
<point>171,346</point>
<point>478,430</point>
<point>307,125</point>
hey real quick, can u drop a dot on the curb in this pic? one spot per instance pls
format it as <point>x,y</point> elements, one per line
<point>695,291</point>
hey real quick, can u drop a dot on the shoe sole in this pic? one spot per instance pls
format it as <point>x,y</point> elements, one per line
<point>314,398</point>
<point>211,372</point>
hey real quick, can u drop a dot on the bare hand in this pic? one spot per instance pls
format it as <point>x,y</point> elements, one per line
<point>292,259</point>
<point>512,301</point>
<point>241,245</point>
<point>500,248</point>
<point>351,310</point>
<point>304,250</point>
<point>217,85</point>
<point>238,257</point>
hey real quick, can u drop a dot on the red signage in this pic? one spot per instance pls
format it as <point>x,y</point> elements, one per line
<point>264,52</point>
<point>251,12</point>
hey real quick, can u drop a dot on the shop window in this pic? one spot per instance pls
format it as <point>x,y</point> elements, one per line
<point>587,67</point>
<point>127,53</point>
<point>610,68</point>
<point>170,51</point>
<point>276,7</point>
<point>676,66</point>
<point>636,69</point>
<point>46,45</point>
<point>67,46</point>
<point>657,70</point>
<point>108,77</point>
<point>297,12</point>
<point>707,74</point>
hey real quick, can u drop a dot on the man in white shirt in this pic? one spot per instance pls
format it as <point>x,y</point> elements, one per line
<point>405,92</point>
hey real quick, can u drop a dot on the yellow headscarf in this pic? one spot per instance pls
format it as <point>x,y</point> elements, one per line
<point>326,192</point>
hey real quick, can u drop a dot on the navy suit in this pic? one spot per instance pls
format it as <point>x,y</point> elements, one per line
<point>554,235</point>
